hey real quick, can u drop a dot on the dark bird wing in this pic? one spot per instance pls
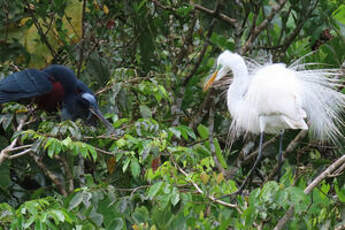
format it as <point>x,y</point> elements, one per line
<point>25,84</point>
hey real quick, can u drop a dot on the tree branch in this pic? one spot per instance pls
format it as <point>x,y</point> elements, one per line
<point>5,151</point>
<point>328,172</point>
<point>210,197</point>
<point>49,174</point>
<point>292,146</point>
<point>82,41</point>
<point>22,153</point>
<point>39,30</point>
<point>68,172</point>
<point>247,46</point>
<point>223,17</point>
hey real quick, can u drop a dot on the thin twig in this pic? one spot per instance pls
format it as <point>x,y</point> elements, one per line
<point>199,190</point>
<point>82,41</point>
<point>253,154</point>
<point>294,34</point>
<point>22,153</point>
<point>39,29</point>
<point>255,33</point>
<point>231,21</point>
<point>201,55</point>
<point>333,167</point>
<point>5,151</point>
<point>176,108</point>
<point>21,147</point>
<point>104,152</point>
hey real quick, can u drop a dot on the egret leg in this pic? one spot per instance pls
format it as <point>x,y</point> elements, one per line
<point>280,157</point>
<point>258,158</point>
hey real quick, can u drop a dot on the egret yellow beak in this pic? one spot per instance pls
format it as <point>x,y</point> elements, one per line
<point>210,81</point>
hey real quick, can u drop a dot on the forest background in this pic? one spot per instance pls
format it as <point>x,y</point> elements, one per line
<point>168,163</point>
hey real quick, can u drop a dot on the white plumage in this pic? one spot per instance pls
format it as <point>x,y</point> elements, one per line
<point>273,97</point>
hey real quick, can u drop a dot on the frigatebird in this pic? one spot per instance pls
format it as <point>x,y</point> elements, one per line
<point>52,88</point>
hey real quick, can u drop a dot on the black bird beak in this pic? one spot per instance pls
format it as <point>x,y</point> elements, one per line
<point>100,116</point>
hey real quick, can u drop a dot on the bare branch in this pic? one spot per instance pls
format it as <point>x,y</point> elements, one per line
<point>5,151</point>
<point>223,17</point>
<point>302,21</point>
<point>40,30</point>
<point>17,155</point>
<point>104,152</point>
<point>201,55</point>
<point>333,167</point>
<point>284,219</point>
<point>247,46</point>
<point>328,172</point>
<point>21,147</point>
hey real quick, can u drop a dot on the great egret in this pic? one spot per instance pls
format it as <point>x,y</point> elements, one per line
<point>273,97</point>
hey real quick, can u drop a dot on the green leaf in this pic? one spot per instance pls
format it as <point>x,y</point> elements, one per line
<point>145,111</point>
<point>186,131</point>
<point>96,217</point>
<point>219,154</point>
<point>75,201</point>
<point>116,224</point>
<point>203,131</point>
<point>154,189</point>
<point>119,122</point>
<point>6,120</point>
<point>175,196</point>
<point>269,191</point>
<point>5,177</point>
<point>121,142</point>
<point>340,193</point>
<point>67,142</point>
<point>92,151</point>
<point>57,215</point>
<point>141,4</point>
<point>339,14</point>
<point>54,146</point>
<point>176,132</point>
<point>299,198</point>
<point>141,215</point>
<point>249,216</point>
<point>135,167</point>
<point>126,164</point>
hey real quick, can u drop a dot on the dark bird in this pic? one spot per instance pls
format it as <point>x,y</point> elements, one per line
<point>54,87</point>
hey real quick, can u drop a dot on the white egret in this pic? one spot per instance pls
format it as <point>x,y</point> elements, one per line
<point>273,97</point>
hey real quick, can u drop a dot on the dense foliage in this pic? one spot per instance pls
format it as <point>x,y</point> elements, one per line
<point>169,163</point>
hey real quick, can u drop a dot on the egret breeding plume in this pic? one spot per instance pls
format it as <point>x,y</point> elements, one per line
<point>272,97</point>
